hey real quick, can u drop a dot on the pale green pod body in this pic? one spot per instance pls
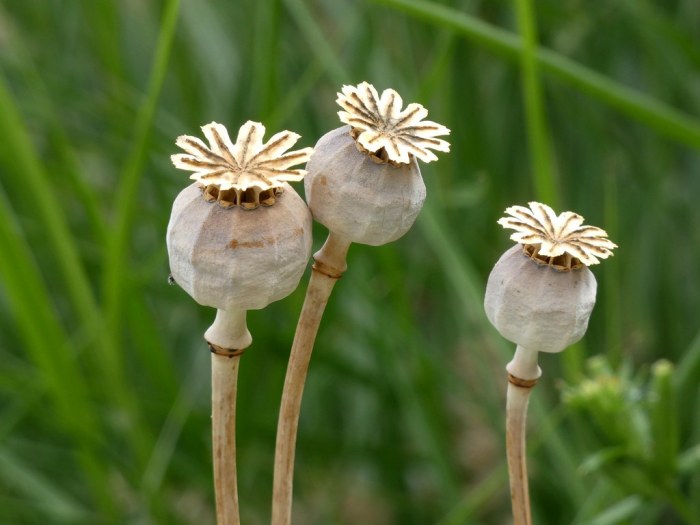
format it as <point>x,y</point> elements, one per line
<point>360,198</point>
<point>537,307</point>
<point>238,259</point>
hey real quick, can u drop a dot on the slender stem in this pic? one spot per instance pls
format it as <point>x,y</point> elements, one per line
<point>516,416</point>
<point>229,330</point>
<point>523,373</point>
<point>224,379</point>
<point>329,266</point>
<point>228,336</point>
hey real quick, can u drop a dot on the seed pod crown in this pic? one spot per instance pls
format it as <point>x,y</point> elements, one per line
<point>385,131</point>
<point>560,241</point>
<point>247,173</point>
<point>228,257</point>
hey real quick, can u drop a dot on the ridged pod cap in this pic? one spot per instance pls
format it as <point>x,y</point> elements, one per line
<point>237,258</point>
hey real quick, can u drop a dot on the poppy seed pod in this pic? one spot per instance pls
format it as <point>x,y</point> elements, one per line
<point>364,183</point>
<point>235,258</point>
<point>365,201</point>
<point>540,294</point>
<point>238,238</point>
<point>538,307</point>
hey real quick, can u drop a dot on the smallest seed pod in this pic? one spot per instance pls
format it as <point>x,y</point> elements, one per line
<point>538,308</point>
<point>540,294</point>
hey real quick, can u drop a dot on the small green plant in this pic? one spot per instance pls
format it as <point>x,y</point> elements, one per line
<point>632,432</point>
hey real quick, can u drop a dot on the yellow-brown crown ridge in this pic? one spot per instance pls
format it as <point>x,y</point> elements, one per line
<point>248,199</point>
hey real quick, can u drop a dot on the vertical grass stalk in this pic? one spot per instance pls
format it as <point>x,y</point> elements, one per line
<point>48,346</point>
<point>537,133</point>
<point>655,114</point>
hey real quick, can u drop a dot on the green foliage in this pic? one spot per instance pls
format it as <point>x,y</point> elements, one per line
<point>633,427</point>
<point>104,409</point>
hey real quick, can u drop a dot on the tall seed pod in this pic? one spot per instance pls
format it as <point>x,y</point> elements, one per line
<point>539,295</point>
<point>238,239</point>
<point>365,186</point>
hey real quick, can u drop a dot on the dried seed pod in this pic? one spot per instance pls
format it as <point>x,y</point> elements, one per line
<point>536,306</point>
<point>364,183</point>
<point>253,247</point>
<point>235,258</point>
<point>238,239</point>
<point>540,293</point>
<point>360,199</point>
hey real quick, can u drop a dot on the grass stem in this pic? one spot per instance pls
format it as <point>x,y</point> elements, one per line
<point>537,132</point>
<point>645,109</point>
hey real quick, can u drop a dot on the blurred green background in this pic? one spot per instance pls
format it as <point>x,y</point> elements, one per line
<point>104,376</point>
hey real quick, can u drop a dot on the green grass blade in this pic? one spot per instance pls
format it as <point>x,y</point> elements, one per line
<point>688,369</point>
<point>18,151</point>
<point>156,361</point>
<point>45,105</point>
<point>687,380</point>
<point>116,259</point>
<point>477,497</point>
<point>49,348</point>
<point>645,109</point>
<point>664,419</point>
<point>56,505</point>
<point>295,95</point>
<point>115,277</point>
<point>105,17</point>
<point>619,512</point>
<point>537,129</point>
<point>312,32</point>
<point>265,79</point>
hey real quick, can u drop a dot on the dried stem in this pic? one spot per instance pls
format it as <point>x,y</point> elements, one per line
<point>328,268</point>
<point>228,336</point>
<point>523,373</point>
<point>516,416</point>
<point>224,379</point>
